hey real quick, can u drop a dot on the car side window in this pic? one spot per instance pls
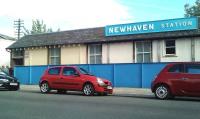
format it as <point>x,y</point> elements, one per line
<point>54,71</point>
<point>193,68</point>
<point>69,71</point>
<point>177,68</point>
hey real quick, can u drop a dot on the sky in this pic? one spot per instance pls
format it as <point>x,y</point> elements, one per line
<point>79,14</point>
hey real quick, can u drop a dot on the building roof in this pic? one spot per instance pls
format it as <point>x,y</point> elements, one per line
<point>92,35</point>
<point>6,37</point>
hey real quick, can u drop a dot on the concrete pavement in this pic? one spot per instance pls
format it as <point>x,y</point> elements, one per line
<point>34,105</point>
<point>116,91</point>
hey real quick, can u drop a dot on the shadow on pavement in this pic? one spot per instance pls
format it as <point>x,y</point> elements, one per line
<point>135,96</point>
<point>74,93</point>
<point>3,89</point>
<point>193,99</point>
<point>141,96</point>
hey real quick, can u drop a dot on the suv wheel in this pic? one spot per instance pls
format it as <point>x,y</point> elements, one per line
<point>88,89</point>
<point>44,87</point>
<point>162,92</point>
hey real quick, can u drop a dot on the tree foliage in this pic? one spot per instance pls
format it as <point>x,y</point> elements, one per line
<point>37,28</point>
<point>192,10</point>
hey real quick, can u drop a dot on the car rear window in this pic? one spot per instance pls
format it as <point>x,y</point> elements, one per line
<point>54,71</point>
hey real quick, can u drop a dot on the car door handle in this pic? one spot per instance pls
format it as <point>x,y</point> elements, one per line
<point>184,78</point>
<point>61,78</point>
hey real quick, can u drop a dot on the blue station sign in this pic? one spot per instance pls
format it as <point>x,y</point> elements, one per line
<point>152,26</point>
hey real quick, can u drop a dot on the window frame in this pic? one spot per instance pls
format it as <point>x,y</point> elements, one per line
<point>18,54</point>
<point>143,52</point>
<point>95,54</point>
<point>168,47</point>
<point>56,56</point>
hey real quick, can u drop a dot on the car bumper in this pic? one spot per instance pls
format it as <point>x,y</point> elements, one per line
<point>10,85</point>
<point>104,89</point>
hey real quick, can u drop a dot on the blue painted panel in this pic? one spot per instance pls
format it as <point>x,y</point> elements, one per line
<point>127,75</point>
<point>121,75</point>
<point>102,71</point>
<point>22,74</point>
<point>149,71</point>
<point>84,66</point>
<point>37,72</point>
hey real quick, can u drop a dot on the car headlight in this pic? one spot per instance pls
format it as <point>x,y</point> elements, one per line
<point>100,82</point>
<point>4,80</point>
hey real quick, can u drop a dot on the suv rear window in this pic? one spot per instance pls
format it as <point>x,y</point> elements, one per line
<point>177,68</point>
<point>54,71</point>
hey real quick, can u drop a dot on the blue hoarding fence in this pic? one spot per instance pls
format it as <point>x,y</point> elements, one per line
<point>133,75</point>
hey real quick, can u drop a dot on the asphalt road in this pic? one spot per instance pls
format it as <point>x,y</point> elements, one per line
<point>33,105</point>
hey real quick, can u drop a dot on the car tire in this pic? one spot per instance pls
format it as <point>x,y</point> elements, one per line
<point>44,87</point>
<point>88,89</point>
<point>162,92</point>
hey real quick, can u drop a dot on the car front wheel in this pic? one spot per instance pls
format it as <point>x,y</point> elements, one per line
<point>88,89</point>
<point>44,88</point>
<point>162,92</point>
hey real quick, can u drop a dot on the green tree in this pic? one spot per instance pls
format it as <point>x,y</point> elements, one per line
<point>37,28</point>
<point>192,10</point>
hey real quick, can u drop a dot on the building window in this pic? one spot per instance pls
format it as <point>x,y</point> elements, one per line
<point>17,57</point>
<point>54,56</point>
<point>95,54</point>
<point>170,46</point>
<point>18,53</point>
<point>143,51</point>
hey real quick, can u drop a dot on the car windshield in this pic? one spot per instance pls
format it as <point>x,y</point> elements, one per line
<point>83,71</point>
<point>2,72</point>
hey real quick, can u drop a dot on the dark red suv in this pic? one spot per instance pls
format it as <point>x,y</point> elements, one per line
<point>65,78</point>
<point>177,79</point>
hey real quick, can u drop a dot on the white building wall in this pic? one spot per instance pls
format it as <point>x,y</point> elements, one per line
<point>76,54</point>
<point>5,55</point>
<point>197,49</point>
<point>183,52</point>
<point>105,53</point>
<point>118,52</point>
<point>36,57</point>
<point>156,50</point>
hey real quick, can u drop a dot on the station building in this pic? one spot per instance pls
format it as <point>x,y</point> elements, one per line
<point>172,40</point>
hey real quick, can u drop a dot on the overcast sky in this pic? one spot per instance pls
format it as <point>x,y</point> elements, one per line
<point>77,14</point>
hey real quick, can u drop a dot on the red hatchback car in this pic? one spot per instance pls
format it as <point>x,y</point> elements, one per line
<point>177,79</point>
<point>66,78</point>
